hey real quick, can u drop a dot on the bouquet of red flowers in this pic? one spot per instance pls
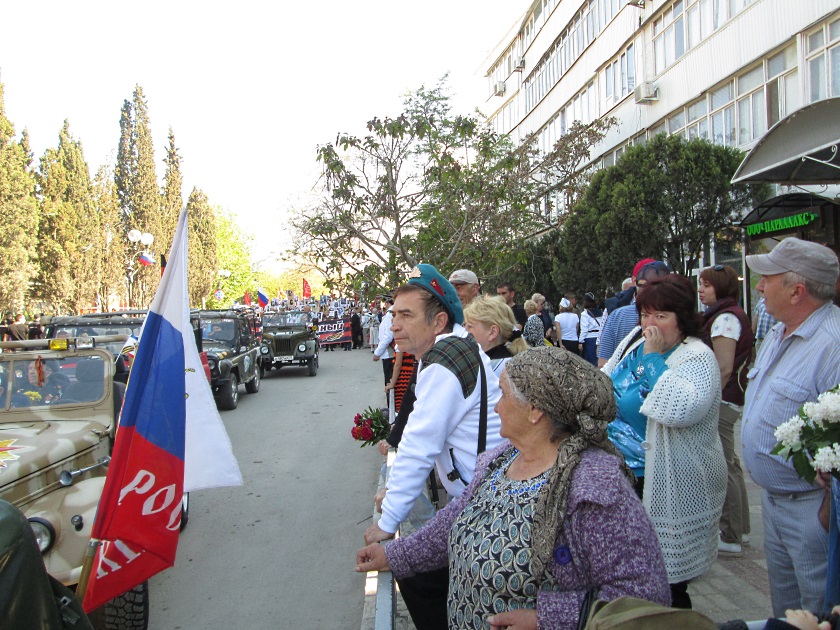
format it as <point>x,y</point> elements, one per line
<point>370,426</point>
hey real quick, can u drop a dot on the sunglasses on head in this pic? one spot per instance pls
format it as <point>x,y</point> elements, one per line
<point>719,267</point>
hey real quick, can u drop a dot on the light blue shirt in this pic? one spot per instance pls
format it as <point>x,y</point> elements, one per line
<point>787,373</point>
<point>619,324</point>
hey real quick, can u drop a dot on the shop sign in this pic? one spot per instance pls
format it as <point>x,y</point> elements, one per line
<point>785,223</point>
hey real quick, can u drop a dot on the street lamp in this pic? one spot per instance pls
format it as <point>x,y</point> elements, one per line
<point>134,237</point>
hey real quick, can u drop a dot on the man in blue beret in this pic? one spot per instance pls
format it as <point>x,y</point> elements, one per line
<point>453,419</point>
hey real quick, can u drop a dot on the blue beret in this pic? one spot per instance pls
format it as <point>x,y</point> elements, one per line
<point>430,279</point>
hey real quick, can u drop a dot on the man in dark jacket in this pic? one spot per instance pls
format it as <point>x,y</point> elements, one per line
<point>356,329</point>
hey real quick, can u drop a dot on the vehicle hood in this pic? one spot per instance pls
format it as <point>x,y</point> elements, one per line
<point>280,331</point>
<point>31,449</point>
<point>217,349</point>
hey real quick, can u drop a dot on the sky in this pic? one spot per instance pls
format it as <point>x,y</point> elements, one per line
<point>250,88</point>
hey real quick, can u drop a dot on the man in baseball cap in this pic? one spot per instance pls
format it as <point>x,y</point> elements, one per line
<point>466,283</point>
<point>799,359</point>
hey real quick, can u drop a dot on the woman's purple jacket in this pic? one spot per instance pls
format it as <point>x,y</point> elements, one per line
<point>607,532</point>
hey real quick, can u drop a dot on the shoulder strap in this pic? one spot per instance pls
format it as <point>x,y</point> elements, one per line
<point>482,412</point>
<point>629,345</point>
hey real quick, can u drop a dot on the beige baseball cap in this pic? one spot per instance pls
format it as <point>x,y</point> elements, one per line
<point>810,260</point>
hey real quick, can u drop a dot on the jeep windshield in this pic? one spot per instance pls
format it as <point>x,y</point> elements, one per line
<point>292,318</point>
<point>88,330</point>
<point>54,382</point>
<point>221,331</point>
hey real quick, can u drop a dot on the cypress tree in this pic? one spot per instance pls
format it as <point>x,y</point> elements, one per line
<point>68,234</point>
<point>203,257</point>
<point>18,216</point>
<point>111,242</point>
<point>138,193</point>
<point>172,199</point>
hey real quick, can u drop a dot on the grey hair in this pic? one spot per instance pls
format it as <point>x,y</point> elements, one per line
<point>514,390</point>
<point>820,291</point>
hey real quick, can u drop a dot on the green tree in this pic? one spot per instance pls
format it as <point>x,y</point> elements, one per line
<point>18,216</point>
<point>203,256</point>
<point>137,190</point>
<point>431,186</point>
<point>233,250</point>
<point>68,232</point>
<point>173,201</point>
<point>661,199</point>
<point>112,250</point>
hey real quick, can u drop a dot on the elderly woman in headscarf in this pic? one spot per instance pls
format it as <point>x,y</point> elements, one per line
<point>549,515</point>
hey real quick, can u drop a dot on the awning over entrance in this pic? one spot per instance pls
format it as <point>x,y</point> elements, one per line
<point>800,149</point>
<point>785,212</point>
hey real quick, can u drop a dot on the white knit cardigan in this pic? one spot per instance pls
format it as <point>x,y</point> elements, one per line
<point>685,471</point>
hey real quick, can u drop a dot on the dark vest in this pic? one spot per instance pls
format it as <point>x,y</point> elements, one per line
<point>733,390</point>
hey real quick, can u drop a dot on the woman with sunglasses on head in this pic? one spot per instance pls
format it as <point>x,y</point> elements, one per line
<point>728,332</point>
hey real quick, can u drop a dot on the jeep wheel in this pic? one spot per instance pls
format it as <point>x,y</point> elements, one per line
<point>253,386</point>
<point>129,611</point>
<point>185,510</point>
<point>229,397</point>
<point>312,363</point>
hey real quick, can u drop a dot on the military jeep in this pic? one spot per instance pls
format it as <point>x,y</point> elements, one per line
<point>231,340</point>
<point>58,409</point>
<point>289,338</point>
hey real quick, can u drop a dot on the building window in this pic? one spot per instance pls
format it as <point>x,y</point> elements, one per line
<point>685,23</point>
<point>823,50</point>
<point>723,115</point>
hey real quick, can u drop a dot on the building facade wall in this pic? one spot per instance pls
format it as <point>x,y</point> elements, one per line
<point>725,70</point>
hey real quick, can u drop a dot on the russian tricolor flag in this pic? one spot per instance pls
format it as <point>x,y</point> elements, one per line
<point>146,259</point>
<point>170,440</point>
<point>262,297</point>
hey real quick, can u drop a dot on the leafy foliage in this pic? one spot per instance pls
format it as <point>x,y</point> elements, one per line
<point>68,231</point>
<point>234,255</point>
<point>137,189</point>
<point>172,201</point>
<point>202,249</point>
<point>662,199</point>
<point>19,216</point>
<point>111,245</point>
<point>430,186</point>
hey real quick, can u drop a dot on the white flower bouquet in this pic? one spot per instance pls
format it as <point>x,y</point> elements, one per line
<point>811,439</point>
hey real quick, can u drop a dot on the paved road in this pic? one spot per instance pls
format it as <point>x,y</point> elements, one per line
<point>279,552</point>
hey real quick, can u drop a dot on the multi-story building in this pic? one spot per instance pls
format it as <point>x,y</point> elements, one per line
<point>724,70</point>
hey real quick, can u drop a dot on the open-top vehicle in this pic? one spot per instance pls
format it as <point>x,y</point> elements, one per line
<point>289,338</point>
<point>59,405</point>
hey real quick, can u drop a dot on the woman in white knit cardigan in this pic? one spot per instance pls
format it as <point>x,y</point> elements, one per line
<point>667,386</point>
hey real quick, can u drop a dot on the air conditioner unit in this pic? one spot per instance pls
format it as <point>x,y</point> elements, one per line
<point>645,92</point>
<point>499,88</point>
<point>520,64</point>
<point>639,4</point>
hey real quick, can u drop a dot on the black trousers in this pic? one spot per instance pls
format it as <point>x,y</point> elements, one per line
<point>425,596</point>
<point>388,368</point>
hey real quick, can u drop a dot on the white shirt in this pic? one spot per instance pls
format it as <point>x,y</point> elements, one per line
<point>442,419</point>
<point>384,350</point>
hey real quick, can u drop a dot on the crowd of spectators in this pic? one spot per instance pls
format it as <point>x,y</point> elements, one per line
<point>546,464</point>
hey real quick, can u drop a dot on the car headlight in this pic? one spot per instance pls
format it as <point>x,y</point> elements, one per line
<point>211,363</point>
<point>302,347</point>
<point>264,349</point>
<point>44,533</point>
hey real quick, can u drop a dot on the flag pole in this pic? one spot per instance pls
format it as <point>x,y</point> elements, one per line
<point>87,568</point>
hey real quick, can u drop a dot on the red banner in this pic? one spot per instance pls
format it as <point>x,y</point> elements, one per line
<point>332,331</point>
<point>307,290</point>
